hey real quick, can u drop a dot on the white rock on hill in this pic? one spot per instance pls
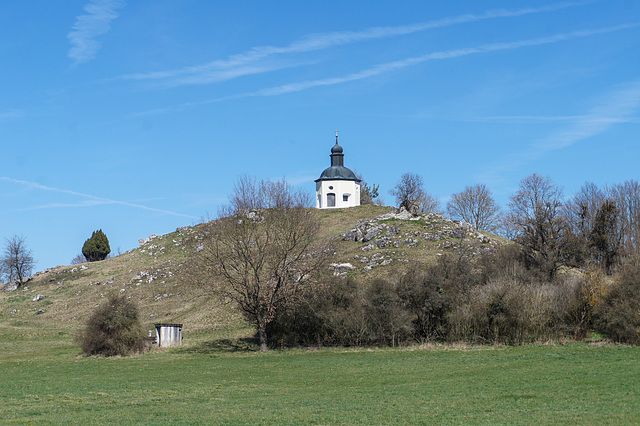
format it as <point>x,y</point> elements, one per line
<point>383,235</point>
<point>143,241</point>
<point>10,286</point>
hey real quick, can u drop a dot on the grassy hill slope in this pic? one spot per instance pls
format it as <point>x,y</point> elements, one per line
<point>210,381</point>
<point>58,301</point>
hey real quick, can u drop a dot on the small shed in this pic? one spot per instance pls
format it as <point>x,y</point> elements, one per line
<point>169,335</point>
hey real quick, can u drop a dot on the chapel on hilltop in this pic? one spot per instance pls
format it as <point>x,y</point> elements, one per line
<point>337,186</point>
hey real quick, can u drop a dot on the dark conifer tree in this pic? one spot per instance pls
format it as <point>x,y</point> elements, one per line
<point>96,247</point>
<point>604,239</point>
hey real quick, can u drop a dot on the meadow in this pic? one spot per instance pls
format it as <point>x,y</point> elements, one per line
<point>45,380</point>
<point>219,377</point>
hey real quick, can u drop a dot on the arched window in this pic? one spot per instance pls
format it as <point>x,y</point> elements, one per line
<point>331,200</point>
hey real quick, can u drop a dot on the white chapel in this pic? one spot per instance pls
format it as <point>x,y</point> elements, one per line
<point>337,186</point>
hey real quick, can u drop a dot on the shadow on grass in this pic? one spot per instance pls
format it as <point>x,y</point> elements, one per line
<point>224,346</point>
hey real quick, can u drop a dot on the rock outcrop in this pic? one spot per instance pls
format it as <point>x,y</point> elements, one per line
<point>395,230</point>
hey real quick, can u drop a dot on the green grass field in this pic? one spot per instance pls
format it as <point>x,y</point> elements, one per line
<point>45,380</point>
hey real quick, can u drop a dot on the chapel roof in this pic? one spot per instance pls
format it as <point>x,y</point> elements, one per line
<point>337,171</point>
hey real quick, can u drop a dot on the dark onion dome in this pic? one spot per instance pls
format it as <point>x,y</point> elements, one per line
<point>337,173</point>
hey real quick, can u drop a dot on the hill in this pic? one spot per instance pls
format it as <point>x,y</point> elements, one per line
<point>374,241</point>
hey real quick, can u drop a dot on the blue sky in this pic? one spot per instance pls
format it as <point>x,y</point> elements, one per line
<point>136,117</point>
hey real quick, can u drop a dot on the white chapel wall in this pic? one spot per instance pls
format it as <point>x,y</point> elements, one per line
<point>340,188</point>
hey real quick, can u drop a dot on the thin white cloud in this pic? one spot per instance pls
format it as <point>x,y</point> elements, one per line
<point>87,27</point>
<point>89,200</point>
<point>299,179</point>
<point>228,74</point>
<point>526,118</point>
<point>8,115</point>
<point>448,54</point>
<point>236,65</point>
<point>397,65</point>
<point>535,119</point>
<point>620,106</point>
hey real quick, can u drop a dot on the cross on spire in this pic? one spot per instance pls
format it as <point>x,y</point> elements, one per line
<point>336,137</point>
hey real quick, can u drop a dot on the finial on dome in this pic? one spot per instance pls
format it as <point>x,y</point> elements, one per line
<point>337,149</point>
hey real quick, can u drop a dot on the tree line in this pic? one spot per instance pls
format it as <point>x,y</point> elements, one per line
<point>597,225</point>
<point>264,251</point>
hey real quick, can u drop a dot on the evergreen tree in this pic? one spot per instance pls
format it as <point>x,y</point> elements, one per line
<point>369,194</point>
<point>96,247</point>
<point>604,239</point>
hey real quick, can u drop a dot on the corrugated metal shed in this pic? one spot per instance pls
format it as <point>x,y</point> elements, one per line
<point>169,335</point>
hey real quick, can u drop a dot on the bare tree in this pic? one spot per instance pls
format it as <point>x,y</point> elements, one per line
<point>580,215</point>
<point>626,197</point>
<point>262,255</point>
<point>251,194</point>
<point>507,228</point>
<point>476,206</point>
<point>245,196</point>
<point>410,194</point>
<point>535,211</point>
<point>79,259</point>
<point>17,261</point>
<point>580,211</point>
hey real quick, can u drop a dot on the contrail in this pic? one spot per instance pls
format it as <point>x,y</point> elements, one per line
<point>236,65</point>
<point>397,65</point>
<point>92,200</point>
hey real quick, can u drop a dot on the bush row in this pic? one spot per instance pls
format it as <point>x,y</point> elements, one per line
<point>494,299</point>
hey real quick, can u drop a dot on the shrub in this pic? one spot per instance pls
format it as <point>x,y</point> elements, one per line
<point>389,322</point>
<point>506,311</point>
<point>96,247</point>
<point>493,299</point>
<point>114,329</point>
<point>618,316</point>
<point>511,262</point>
<point>343,316</point>
<point>298,324</point>
<point>585,293</point>
<point>429,300</point>
<point>578,312</point>
<point>327,313</point>
<point>343,312</point>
